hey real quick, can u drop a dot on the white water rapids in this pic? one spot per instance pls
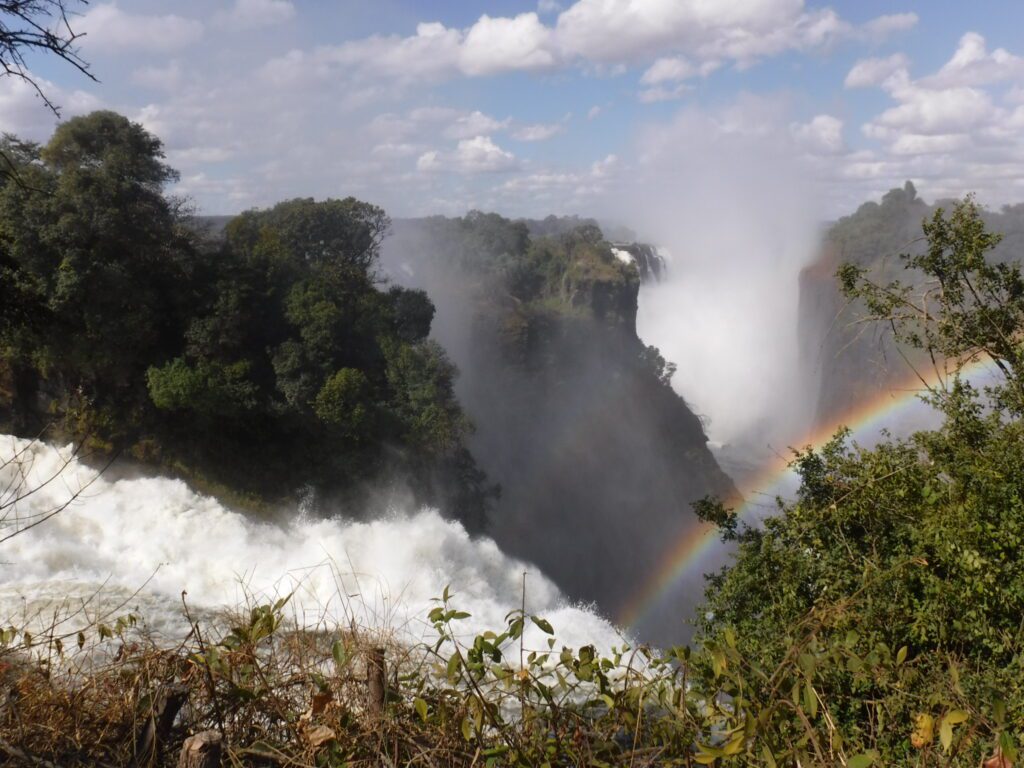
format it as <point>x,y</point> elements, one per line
<point>133,545</point>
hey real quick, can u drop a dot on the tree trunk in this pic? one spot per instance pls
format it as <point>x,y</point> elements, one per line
<point>169,701</point>
<point>376,682</point>
<point>201,751</point>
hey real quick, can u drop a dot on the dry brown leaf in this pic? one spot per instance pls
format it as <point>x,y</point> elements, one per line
<point>998,760</point>
<point>318,735</point>
<point>320,702</point>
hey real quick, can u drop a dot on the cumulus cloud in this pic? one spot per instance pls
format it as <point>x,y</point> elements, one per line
<point>250,14</point>
<point>948,130</point>
<point>481,155</point>
<point>428,162</point>
<point>431,54</point>
<point>23,113</point>
<point>540,131</point>
<point>973,65</point>
<point>605,33</point>
<point>743,32</point>
<point>108,29</point>
<point>661,93</point>
<point>395,150</point>
<point>562,190</point>
<point>469,125</point>
<point>166,78</point>
<point>823,134</point>
<point>883,26</point>
<point>871,72</point>
<point>501,44</point>
<point>668,69</point>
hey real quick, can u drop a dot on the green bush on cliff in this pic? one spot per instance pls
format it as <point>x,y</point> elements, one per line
<point>266,362</point>
<point>895,581</point>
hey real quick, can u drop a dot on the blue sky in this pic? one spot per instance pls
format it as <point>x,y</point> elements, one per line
<point>531,108</point>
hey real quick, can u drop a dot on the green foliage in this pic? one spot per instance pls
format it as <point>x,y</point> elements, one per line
<point>342,402</point>
<point>268,361</point>
<point>890,591</point>
<point>966,307</point>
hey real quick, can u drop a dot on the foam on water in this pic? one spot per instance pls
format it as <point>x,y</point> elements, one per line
<point>143,541</point>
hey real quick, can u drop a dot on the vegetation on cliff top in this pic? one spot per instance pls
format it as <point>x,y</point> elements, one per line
<point>899,571</point>
<point>270,361</point>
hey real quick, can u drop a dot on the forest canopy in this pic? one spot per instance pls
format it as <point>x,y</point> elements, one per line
<point>264,362</point>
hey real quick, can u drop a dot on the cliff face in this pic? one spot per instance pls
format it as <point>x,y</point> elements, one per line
<point>858,361</point>
<point>597,457</point>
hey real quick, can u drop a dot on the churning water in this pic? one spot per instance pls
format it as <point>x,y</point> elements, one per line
<point>133,545</point>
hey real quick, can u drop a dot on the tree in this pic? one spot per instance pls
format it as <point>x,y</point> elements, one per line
<point>966,307</point>
<point>259,365</point>
<point>97,250</point>
<point>34,27</point>
<point>894,584</point>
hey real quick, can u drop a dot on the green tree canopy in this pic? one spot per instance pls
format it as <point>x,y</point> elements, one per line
<point>893,585</point>
<point>268,361</point>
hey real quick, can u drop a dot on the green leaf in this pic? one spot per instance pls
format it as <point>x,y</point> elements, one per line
<point>946,735</point>
<point>862,760</point>
<point>734,746</point>
<point>339,653</point>
<point>454,663</point>
<point>901,655</point>
<point>543,624</point>
<point>956,716</point>
<point>810,701</point>
<point>421,708</point>
<point>730,637</point>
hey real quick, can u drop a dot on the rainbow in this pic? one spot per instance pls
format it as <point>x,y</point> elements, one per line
<point>688,555</point>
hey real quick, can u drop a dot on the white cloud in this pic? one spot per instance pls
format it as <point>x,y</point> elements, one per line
<point>503,44</point>
<point>430,55</point>
<point>661,93</point>
<point>559,190</point>
<point>928,111</point>
<point>540,131</point>
<point>428,162</point>
<point>594,111</point>
<point>947,131</point>
<point>884,26</point>
<point>668,69</point>
<point>109,29</point>
<point>743,31</point>
<point>607,33</point>
<point>251,14</point>
<point>166,78</point>
<point>616,30</point>
<point>921,144</point>
<point>599,169</point>
<point>973,65</point>
<point>473,124</point>
<point>1015,95</point>
<point>871,72</point>
<point>481,155</point>
<point>393,150</point>
<point>822,135</point>
<point>547,7</point>
<point>23,113</point>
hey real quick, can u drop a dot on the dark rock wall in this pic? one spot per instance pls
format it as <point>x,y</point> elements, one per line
<point>598,459</point>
